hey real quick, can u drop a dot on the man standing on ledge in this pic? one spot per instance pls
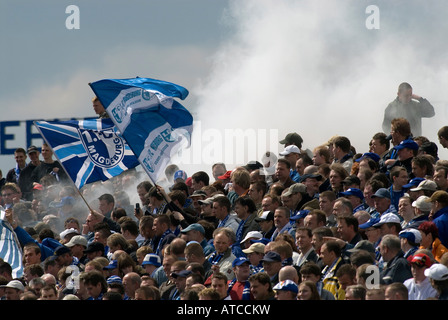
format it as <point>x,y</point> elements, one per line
<point>409,106</point>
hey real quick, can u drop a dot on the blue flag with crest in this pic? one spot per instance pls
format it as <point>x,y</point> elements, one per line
<point>151,121</point>
<point>89,150</point>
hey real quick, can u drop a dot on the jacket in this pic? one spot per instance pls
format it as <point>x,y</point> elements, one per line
<point>397,270</point>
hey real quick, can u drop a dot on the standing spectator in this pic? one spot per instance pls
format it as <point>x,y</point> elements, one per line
<point>48,166</point>
<point>25,182</point>
<point>409,106</point>
<point>13,175</point>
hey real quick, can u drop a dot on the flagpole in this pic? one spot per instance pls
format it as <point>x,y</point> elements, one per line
<point>63,167</point>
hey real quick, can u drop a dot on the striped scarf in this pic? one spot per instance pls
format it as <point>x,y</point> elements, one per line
<point>246,290</point>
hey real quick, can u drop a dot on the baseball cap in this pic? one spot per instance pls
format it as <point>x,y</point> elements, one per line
<point>421,259</point>
<point>287,285</point>
<point>32,149</point>
<point>370,223</point>
<point>408,143</point>
<point>271,256</point>
<point>292,138</point>
<point>112,265</point>
<point>370,155</point>
<point>387,218</point>
<point>381,193</point>
<point>252,234</point>
<point>77,240</point>
<point>353,192</point>
<point>94,246</point>
<point>300,215</point>
<point>422,203</point>
<point>413,183</point>
<point>198,193</point>
<point>257,247</point>
<point>61,250</point>
<point>412,235</point>
<point>15,284</point>
<point>265,216</point>
<point>363,245</point>
<point>239,261</point>
<point>182,274</point>
<point>180,174</point>
<point>66,232</point>
<point>290,149</point>
<point>206,201</point>
<point>38,186</point>
<point>437,271</point>
<point>225,176</point>
<point>152,258</point>
<point>425,185</point>
<point>194,226</point>
<point>294,189</point>
<point>311,176</point>
<point>440,195</point>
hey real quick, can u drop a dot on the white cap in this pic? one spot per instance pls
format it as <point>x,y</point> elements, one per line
<point>437,271</point>
<point>290,149</point>
<point>388,218</point>
<point>252,234</point>
<point>15,284</point>
<point>422,203</point>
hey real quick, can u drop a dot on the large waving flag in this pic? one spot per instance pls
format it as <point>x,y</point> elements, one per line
<point>149,119</point>
<point>10,248</point>
<point>89,150</point>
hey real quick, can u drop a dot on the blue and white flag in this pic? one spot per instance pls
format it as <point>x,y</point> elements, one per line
<point>89,150</point>
<point>149,119</point>
<point>10,249</point>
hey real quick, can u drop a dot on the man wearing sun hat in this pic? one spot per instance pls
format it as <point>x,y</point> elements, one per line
<point>419,286</point>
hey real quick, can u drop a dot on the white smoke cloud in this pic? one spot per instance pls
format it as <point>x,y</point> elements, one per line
<point>314,68</point>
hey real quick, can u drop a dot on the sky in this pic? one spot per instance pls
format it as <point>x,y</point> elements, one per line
<point>256,69</point>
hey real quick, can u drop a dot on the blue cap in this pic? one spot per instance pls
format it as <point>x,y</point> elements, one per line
<point>287,285</point>
<point>61,250</point>
<point>114,279</point>
<point>180,174</point>
<point>370,155</point>
<point>413,183</point>
<point>408,143</point>
<point>271,256</point>
<point>194,226</point>
<point>112,265</point>
<point>182,274</point>
<point>369,223</point>
<point>300,215</point>
<point>353,192</point>
<point>381,193</point>
<point>152,258</point>
<point>239,261</point>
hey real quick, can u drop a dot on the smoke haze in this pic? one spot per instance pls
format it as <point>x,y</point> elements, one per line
<point>313,67</point>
